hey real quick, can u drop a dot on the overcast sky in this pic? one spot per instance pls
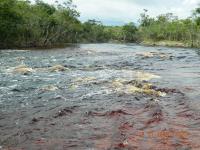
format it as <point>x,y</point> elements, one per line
<point>115,12</point>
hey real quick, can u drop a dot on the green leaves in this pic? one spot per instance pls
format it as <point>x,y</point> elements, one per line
<point>24,24</point>
<point>169,27</point>
<point>9,22</point>
<point>129,31</point>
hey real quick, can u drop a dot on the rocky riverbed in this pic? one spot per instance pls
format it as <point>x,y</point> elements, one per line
<point>100,96</point>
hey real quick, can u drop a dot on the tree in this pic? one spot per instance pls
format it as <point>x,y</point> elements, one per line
<point>129,31</point>
<point>196,15</point>
<point>94,31</point>
<point>9,22</point>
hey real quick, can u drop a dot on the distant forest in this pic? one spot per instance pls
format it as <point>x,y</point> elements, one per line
<point>25,24</point>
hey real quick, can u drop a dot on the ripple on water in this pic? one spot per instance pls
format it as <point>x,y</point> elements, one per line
<point>112,96</point>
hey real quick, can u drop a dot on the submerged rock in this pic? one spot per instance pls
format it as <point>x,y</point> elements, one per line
<point>63,112</point>
<point>160,55</point>
<point>117,83</point>
<point>73,87</point>
<point>20,59</point>
<point>34,120</point>
<point>133,89</point>
<point>112,113</point>
<point>134,86</point>
<point>85,79</point>
<point>49,88</point>
<point>145,54</point>
<point>66,111</point>
<point>81,81</point>
<point>58,68</point>
<point>23,69</point>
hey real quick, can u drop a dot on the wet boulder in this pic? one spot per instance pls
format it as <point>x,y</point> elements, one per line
<point>145,89</point>
<point>66,111</point>
<point>20,59</point>
<point>136,86</point>
<point>160,55</point>
<point>145,54</point>
<point>58,68</point>
<point>23,69</point>
<point>49,88</point>
<point>84,80</point>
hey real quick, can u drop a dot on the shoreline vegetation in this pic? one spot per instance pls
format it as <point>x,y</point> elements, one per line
<point>165,43</point>
<point>150,43</point>
<point>39,25</point>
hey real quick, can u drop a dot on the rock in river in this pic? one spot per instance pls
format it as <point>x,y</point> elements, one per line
<point>22,69</point>
<point>49,88</point>
<point>58,68</point>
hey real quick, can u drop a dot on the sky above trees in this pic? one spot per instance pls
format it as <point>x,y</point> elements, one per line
<point>117,12</point>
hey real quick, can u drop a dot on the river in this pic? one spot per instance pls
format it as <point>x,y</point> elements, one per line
<point>100,97</point>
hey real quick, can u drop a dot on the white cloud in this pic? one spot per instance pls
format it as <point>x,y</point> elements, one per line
<point>108,10</point>
<point>115,11</point>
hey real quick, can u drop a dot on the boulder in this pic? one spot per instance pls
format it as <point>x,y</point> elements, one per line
<point>22,69</point>
<point>49,88</point>
<point>58,68</point>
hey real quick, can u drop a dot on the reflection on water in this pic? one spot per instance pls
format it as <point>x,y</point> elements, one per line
<point>100,96</point>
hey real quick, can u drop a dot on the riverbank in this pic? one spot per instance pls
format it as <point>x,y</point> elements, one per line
<point>40,47</point>
<point>164,43</point>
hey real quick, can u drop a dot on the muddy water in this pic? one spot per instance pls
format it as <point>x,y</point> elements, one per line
<point>101,97</point>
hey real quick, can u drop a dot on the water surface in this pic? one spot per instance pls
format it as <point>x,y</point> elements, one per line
<point>91,106</point>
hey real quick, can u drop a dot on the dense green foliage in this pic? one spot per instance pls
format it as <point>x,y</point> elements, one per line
<point>169,27</point>
<point>94,31</point>
<point>23,24</point>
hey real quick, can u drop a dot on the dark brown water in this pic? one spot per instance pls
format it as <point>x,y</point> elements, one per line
<point>109,96</point>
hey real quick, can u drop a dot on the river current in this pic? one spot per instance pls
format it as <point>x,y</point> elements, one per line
<point>100,97</point>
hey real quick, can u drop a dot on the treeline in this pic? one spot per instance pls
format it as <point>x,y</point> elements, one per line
<point>169,27</point>
<point>25,24</point>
